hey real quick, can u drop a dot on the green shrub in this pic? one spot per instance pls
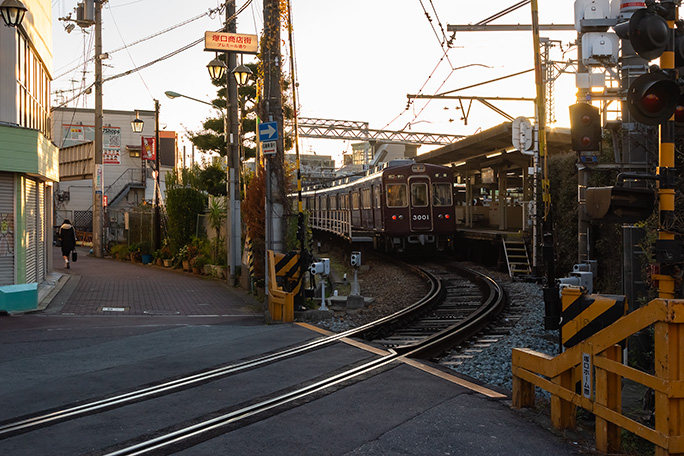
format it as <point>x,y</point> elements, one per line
<point>182,206</point>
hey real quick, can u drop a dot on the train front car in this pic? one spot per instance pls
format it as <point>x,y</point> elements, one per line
<point>418,206</point>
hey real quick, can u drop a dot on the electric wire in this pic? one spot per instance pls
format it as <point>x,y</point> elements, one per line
<point>154,35</point>
<point>160,59</point>
<point>127,51</point>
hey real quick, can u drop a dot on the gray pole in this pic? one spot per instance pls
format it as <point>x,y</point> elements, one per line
<point>233,150</point>
<point>272,111</point>
<point>98,171</point>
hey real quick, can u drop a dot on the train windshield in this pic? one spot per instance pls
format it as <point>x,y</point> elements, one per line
<point>441,194</point>
<point>419,194</point>
<point>396,195</point>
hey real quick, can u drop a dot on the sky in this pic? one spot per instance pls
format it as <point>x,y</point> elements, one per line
<point>355,60</point>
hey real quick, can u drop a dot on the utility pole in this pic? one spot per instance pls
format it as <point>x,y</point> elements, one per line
<point>98,172</point>
<point>157,188</point>
<point>232,152</point>
<point>271,111</point>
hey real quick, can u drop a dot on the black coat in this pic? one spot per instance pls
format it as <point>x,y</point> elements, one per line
<point>67,236</point>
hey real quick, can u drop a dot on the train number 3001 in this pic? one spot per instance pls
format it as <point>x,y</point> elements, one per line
<point>421,217</point>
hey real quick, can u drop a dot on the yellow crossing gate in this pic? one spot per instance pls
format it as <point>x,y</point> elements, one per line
<point>584,315</point>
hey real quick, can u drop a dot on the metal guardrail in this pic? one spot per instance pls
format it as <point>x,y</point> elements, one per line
<point>335,221</point>
<point>596,363</point>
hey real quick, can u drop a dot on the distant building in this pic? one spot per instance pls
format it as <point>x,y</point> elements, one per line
<point>368,154</point>
<point>128,177</point>
<point>28,159</point>
<point>314,168</point>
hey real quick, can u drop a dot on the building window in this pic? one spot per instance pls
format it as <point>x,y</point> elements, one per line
<point>33,88</point>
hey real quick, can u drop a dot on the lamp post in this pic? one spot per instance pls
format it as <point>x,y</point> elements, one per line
<point>12,12</point>
<point>218,70</point>
<point>137,125</point>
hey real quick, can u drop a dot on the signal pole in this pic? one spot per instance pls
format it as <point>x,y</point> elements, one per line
<point>666,160</point>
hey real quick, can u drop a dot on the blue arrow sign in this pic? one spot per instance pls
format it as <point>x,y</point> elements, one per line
<point>268,131</point>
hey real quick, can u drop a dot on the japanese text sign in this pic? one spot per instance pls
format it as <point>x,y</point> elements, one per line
<point>231,42</point>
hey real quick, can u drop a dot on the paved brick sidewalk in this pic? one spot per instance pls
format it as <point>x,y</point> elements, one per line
<point>99,286</point>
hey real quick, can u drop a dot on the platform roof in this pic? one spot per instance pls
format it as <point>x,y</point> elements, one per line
<point>473,150</point>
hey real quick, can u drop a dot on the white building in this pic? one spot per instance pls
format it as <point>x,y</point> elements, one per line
<point>128,178</point>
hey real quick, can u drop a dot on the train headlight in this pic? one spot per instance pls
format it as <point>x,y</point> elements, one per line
<point>440,216</point>
<point>401,217</point>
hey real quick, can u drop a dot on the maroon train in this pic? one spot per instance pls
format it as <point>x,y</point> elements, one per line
<point>401,204</point>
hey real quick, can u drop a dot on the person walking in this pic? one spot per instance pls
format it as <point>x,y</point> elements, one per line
<point>67,236</point>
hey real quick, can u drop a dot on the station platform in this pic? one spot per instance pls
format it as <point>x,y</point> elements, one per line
<point>174,323</point>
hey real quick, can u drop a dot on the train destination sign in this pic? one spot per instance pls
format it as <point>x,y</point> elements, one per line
<point>231,42</point>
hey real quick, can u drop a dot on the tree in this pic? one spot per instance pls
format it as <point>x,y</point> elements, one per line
<point>211,138</point>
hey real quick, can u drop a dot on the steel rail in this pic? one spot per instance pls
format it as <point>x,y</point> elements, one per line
<point>436,292</point>
<point>421,349</point>
<point>44,419</point>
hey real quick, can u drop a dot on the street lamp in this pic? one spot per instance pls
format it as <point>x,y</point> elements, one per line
<point>137,127</point>
<point>12,12</point>
<point>233,212</point>
<point>137,123</point>
<point>216,69</point>
<point>242,74</point>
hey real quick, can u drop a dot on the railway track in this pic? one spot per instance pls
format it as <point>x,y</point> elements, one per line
<point>452,311</point>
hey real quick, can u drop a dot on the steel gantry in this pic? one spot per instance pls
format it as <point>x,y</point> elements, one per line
<point>360,131</point>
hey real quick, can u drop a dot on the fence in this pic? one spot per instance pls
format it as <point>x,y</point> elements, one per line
<point>596,364</point>
<point>336,221</point>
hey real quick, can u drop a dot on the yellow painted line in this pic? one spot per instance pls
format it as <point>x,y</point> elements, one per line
<point>325,332</point>
<point>346,340</point>
<point>412,362</point>
<point>453,379</point>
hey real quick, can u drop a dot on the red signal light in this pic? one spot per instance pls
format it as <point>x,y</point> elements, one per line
<point>447,216</point>
<point>652,102</point>
<point>653,97</point>
<point>394,217</point>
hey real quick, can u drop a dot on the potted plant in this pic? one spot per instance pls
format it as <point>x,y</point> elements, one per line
<point>165,256</point>
<point>145,252</point>
<point>134,253</point>
<point>198,263</point>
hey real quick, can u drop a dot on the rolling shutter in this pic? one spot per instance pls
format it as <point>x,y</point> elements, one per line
<point>31,205</point>
<point>41,251</point>
<point>7,229</point>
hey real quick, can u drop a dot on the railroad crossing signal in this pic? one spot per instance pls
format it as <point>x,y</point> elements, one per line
<point>619,204</point>
<point>653,98</point>
<point>585,127</point>
<point>647,30</point>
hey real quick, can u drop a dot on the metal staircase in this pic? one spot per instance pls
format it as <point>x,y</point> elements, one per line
<point>516,256</point>
<point>131,178</point>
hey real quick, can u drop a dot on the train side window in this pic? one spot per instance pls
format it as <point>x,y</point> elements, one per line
<point>396,195</point>
<point>355,200</point>
<point>441,194</point>
<point>376,196</point>
<point>419,195</point>
<point>366,198</point>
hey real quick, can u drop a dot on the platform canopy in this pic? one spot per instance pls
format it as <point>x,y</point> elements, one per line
<point>480,150</point>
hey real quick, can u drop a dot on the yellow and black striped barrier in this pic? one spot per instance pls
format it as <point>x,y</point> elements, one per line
<point>583,315</point>
<point>287,270</point>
